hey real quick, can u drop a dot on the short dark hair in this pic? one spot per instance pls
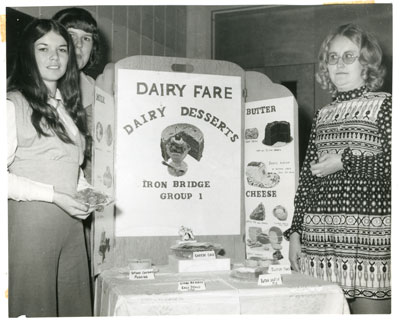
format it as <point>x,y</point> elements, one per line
<point>370,57</point>
<point>79,18</point>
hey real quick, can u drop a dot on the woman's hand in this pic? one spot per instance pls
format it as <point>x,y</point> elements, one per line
<point>294,251</point>
<point>327,164</point>
<point>73,207</point>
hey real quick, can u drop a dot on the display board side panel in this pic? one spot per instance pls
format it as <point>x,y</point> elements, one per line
<point>260,87</point>
<point>270,165</point>
<point>158,248</point>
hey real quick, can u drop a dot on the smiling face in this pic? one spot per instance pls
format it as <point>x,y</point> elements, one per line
<point>345,77</point>
<point>51,54</point>
<point>83,42</point>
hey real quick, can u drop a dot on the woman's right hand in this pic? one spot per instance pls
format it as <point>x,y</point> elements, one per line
<point>73,207</point>
<point>294,251</point>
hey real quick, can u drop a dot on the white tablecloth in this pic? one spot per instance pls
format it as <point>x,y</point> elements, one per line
<point>116,295</point>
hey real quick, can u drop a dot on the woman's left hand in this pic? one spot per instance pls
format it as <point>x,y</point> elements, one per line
<point>327,164</point>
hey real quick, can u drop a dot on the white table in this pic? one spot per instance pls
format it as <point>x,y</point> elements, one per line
<point>116,295</point>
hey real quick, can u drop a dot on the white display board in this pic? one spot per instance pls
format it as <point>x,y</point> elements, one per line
<point>270,176</point>
<point>103,179</point>
<point>155,194</point>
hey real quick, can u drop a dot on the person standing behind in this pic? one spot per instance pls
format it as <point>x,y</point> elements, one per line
<point>342,222</point>
<point>84,32</point>
<point>47,142</point>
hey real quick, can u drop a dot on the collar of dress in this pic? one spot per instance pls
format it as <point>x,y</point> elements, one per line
<point>352,94</point>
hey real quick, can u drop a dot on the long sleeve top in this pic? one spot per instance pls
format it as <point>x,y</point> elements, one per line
<point>24,189</point>
<point>357,125</point>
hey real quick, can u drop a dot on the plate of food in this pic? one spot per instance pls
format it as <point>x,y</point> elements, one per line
<point>93,198</point>
<point>248,273</point>
<point>186,250</point>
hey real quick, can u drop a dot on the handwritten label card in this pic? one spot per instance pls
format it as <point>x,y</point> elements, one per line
<point>269,280</point>
<point>204,255</point>
<point>279,269</point>
<point>142,274</point>
<point>196,285</point>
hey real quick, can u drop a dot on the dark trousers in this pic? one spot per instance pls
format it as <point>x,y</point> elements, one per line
<point>48,267</point>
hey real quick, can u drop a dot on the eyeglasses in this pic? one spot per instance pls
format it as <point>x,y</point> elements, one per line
<point>348,58</point>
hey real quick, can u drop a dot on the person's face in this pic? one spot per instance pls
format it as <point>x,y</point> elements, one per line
<point>345,77</point>
<point>83,42</point>
<point>51,54</point>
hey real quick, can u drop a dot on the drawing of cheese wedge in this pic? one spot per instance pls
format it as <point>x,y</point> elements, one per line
<point>258,176</point>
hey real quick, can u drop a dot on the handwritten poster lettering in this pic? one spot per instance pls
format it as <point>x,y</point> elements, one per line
<point>178,153</point>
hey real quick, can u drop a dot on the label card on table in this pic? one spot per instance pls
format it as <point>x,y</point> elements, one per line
<point>279,269</point>
<point>196,285</point>
<point>142,274</point>
<point>204,255</point>
<point>269,280</point>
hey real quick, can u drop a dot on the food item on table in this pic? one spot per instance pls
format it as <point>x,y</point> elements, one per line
<point>92,197</point>
<point>258,213</point>
<point>248,273</point>
<point>251,262</point>
<point>260,261</point>
<point>137,264</point>
<point>251,134</point>
<point>190,134</point>
<point>280,213</point>
<point>186,250</point>
<point>278,131</point>
<point>258,176</point>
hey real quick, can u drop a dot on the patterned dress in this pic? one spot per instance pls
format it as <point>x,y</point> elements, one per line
<point>344,219</point>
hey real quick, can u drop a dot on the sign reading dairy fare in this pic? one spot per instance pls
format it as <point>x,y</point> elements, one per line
<point>178,153</point>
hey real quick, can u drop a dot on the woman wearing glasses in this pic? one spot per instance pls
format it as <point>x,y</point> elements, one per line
<point>341,226</point>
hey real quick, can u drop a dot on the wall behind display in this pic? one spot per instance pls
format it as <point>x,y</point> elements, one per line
<point>283,43</point>
<point>130,30</point>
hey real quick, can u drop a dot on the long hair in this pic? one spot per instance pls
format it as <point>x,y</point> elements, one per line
<point>370,57</point>
<point>79,18</point>
<point>25,78</point>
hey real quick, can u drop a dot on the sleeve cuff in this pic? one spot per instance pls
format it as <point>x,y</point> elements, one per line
<point>38,191</point>
<point>291,230</point>
<point>24,189</point>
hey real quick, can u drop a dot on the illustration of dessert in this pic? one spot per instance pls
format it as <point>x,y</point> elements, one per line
<point>263,238</point>
<point>277,255</point>
<point>99,131</point>
<point>253,233</point>
<point>178,141</point>
<point>107,177</point>
<point>109,136</point>
<point>104,246</point>
<point>280,213</point>
<point>258,213</point>
<point>278,131</point>
<point>251,134</point>
<point>275,237</point>
<point>257,175</point>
